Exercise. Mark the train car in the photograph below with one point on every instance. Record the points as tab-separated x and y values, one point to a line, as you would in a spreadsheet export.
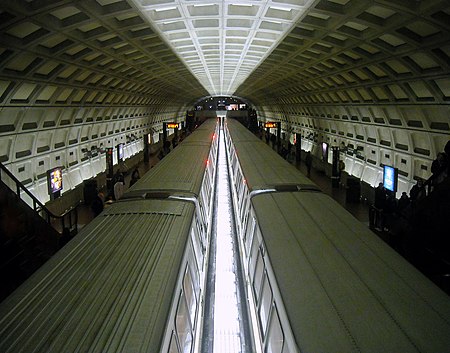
182	172
268	171
318	279
132	279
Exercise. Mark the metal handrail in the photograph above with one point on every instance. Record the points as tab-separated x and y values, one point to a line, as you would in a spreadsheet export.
40	207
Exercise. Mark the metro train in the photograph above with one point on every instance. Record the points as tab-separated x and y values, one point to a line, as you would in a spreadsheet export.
133	279
318	280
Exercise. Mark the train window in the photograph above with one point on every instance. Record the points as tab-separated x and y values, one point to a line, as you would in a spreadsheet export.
173	348
275	336
265	305
253	256
234	161
189	294
195	276
206	182
200	232
248	236
258	276
204	200
238	182
197	245
183	326
244	208
209	197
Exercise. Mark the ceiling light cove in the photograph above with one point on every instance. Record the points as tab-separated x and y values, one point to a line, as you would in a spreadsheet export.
222	42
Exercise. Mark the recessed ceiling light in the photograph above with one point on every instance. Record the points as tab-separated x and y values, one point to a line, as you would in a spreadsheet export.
166	9
281	8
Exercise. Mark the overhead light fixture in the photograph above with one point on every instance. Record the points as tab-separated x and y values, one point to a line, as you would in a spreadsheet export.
281	8
166	9
202	5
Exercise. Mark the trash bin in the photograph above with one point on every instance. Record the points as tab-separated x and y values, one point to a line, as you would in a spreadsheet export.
89	191
353	190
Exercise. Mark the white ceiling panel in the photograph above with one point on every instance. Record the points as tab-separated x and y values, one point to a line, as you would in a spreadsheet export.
231	38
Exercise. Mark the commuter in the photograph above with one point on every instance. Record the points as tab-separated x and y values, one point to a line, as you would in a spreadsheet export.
119	186
273	139
447	158
380	196
447	149
379	206
417	192
403	203
161	154
439	169
174	143
97	204
308	162
389	210
341	168
267	137
166	147
284	152
134	176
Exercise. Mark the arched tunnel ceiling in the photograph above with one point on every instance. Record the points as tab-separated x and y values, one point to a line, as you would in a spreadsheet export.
350	52
94	52
144	51
223	41
76	75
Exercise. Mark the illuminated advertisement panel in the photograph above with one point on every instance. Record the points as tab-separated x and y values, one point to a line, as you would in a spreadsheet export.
120	151
390	178
54	180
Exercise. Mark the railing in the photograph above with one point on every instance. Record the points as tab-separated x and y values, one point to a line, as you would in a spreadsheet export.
68	219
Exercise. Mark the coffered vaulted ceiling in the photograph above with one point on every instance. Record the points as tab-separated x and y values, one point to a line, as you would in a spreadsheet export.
142	51
75	75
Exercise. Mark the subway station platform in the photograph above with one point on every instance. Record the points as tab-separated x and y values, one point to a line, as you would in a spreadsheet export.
360	210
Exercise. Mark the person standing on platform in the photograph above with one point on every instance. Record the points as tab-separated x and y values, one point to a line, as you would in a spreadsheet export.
308	162
379	205
403	203
417	192
134	176
97	204
341	168
119	186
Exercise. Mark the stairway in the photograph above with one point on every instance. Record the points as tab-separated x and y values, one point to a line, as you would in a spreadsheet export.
28	237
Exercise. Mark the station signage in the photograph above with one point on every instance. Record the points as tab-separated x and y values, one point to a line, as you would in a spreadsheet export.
173	125
270	125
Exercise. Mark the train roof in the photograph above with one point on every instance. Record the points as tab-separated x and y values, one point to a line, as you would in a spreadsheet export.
239	132
346	290
262	166
181	170
203	133
108	290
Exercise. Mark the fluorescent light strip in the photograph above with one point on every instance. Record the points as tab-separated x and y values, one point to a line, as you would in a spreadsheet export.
165	9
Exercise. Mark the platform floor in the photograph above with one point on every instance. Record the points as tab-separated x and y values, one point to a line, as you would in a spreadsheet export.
359	210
